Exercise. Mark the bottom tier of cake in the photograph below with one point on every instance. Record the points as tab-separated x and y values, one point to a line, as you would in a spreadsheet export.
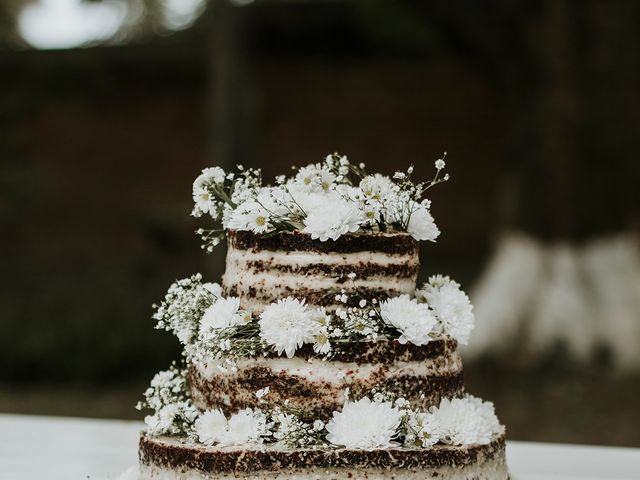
171	458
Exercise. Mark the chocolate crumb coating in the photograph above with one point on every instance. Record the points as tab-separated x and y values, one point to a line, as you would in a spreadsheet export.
211	460
389	365
263	269
399	244
325	297
362	271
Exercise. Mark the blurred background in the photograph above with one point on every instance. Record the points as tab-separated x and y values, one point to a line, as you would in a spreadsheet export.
109	109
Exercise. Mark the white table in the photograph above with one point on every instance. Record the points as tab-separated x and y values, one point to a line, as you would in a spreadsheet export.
52	448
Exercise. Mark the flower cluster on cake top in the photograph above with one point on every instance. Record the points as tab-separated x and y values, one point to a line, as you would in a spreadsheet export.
379	420
325	200
212	327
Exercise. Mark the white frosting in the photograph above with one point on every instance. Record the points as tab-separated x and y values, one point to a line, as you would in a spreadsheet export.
303	258
337	372
494	468
271	283
278	280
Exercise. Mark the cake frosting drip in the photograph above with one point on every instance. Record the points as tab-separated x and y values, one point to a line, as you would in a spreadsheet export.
422	375
175	458
260	270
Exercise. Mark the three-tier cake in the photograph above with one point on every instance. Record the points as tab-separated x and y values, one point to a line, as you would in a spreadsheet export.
317	357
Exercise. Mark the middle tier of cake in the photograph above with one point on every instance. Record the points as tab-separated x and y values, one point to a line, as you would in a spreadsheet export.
422	375
262	269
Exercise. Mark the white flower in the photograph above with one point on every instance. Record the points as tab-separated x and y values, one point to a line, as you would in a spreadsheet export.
422	430
287	325
314	178
262	392
364	424
331	218
466	421
321	343
378	187
208	176
213	288
249	215
163	378
204	202
162	421
318	425
440	164
451	306
421	225
211	427
246	427
414	320
439	280
224	313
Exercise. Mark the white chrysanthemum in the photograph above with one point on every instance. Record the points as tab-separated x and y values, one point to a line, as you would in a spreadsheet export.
321	343
209	176
421	225
246	427
378	187
422	430
204	201
466	421
414	320
211	427
249	215
287	325
451	306
364	424
315	178
332	217
224	313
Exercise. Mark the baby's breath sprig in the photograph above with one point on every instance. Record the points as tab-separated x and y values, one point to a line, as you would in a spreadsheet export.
346	173
182	307
216	192
169	398
229	344
210	238
292	430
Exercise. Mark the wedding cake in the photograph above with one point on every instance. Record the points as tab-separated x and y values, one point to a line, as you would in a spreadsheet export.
316	357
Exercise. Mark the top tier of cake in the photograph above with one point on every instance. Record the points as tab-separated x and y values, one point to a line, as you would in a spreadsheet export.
262	269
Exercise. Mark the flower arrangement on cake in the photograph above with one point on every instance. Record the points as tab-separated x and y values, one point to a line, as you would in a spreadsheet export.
317	356
325	200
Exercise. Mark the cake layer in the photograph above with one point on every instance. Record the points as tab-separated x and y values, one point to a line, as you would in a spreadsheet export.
260	270
170	458
422	375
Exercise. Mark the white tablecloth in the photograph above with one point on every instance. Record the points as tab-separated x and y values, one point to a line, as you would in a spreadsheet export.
55	448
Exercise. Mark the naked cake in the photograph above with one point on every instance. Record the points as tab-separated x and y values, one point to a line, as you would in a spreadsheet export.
317	357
